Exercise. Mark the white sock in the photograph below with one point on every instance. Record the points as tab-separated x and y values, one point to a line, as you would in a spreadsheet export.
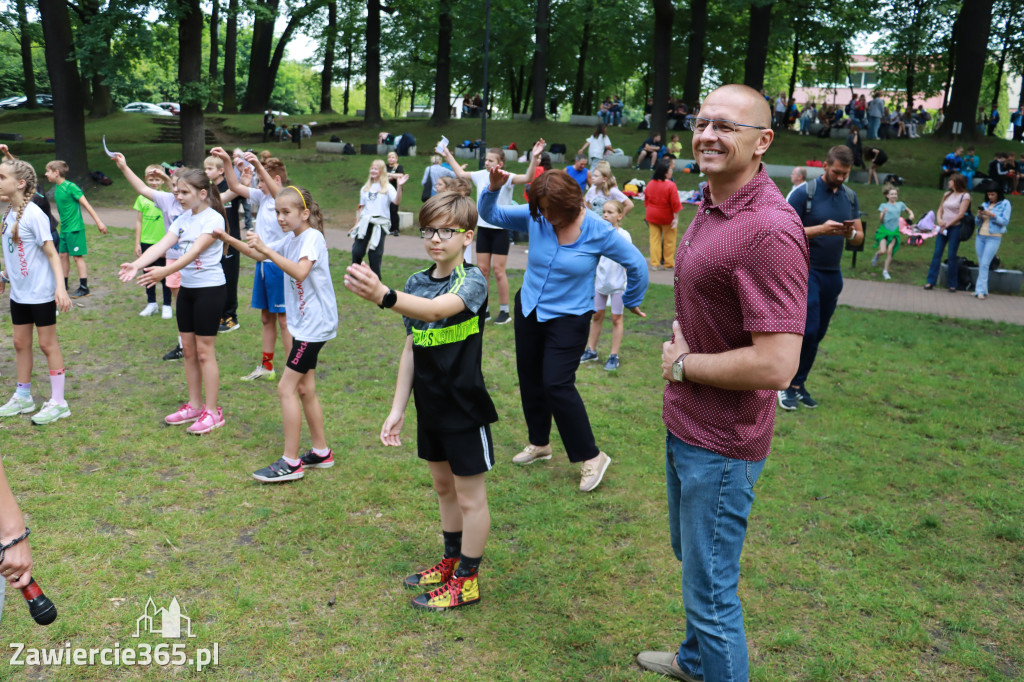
291	462
503	308
321	453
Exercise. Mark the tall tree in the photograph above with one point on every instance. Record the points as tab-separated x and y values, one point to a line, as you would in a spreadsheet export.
910	51
211	106
192	95
229	104
664	15
264	62
540	61
327	73
578	93
757	44
443	66
372	113
68	115
25	40
695	38
1010	42
972	29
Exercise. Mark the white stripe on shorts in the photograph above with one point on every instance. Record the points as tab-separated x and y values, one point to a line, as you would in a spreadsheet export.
487	452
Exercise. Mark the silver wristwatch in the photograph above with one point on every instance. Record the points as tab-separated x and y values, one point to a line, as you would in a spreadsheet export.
678	371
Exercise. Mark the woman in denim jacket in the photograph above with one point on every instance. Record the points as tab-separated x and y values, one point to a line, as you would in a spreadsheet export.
991	221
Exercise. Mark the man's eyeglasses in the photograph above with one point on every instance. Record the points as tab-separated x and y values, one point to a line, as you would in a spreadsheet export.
445	233
699	125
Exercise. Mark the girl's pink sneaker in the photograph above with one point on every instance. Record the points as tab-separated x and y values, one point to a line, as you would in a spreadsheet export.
185	414
208	421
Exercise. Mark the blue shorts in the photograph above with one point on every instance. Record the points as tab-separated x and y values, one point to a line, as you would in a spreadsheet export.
268	288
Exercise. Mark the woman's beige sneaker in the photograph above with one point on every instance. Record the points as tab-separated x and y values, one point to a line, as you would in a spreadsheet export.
531	453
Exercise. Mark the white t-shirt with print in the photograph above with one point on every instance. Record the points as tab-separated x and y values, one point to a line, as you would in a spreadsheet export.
266	225
596	199
205	270
377	202
311	307
171	208
482	179
27	267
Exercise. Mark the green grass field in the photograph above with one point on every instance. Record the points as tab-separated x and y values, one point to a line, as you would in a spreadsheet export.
886	542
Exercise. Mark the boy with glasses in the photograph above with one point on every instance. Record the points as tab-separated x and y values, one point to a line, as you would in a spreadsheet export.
440	367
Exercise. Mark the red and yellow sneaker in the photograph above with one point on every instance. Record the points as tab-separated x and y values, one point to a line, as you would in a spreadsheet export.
459	591
433	576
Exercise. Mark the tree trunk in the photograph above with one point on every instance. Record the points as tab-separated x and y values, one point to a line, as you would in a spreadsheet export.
951	64
230	103
540	61
275	61
757	45
25	38
211	105
443	67
257	91
577	97
514	92
372	115
911	78
190	80
664	14
1020	100
796	62
348	72
528	94
102	99
695	52
68	114
1002	62
971	35
327	75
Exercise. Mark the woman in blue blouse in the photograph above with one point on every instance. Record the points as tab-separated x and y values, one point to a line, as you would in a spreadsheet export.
991	222
553	310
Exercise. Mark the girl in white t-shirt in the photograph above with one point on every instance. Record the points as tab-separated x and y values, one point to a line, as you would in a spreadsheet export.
609	283
597	145
312	313
201	297
33	269
603	188
373	216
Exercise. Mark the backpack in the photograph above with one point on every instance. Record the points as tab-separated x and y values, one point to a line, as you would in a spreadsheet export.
893	180
850	195
966	226
963	273
348	149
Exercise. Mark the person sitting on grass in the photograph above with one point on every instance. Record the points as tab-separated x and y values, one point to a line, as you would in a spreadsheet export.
887	237
440	367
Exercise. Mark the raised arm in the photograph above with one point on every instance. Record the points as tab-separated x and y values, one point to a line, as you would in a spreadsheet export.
235	185
137	184
401	180
459	171
272	186
527	177
506	217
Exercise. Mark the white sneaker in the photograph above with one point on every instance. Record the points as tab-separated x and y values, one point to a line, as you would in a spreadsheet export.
260	372
886	275
150	309
167	312
17	405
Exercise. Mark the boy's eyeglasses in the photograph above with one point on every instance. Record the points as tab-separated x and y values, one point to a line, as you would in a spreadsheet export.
699	125
445	233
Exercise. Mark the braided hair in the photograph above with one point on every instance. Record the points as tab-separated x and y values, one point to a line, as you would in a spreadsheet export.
21	170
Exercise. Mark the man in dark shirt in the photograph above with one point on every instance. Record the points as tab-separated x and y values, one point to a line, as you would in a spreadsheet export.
831	218
651	149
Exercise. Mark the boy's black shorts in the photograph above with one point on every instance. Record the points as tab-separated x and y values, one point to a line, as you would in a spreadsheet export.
468	453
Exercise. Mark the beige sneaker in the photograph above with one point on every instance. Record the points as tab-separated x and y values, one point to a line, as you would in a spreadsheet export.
592	472
531	453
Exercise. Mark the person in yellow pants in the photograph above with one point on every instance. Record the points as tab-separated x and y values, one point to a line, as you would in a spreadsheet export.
662	205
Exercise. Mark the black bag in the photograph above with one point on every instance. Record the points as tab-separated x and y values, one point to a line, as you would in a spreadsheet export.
894	180
966	226
425	194
963	274
558	148
348	149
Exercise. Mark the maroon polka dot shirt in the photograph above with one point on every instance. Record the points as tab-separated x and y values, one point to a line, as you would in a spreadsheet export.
741	267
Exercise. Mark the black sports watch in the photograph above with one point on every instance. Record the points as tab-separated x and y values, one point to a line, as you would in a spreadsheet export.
389	299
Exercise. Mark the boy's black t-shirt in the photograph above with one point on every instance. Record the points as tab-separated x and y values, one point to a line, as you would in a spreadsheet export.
448	384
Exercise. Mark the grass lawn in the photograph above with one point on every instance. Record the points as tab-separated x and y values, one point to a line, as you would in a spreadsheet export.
886	542
334	180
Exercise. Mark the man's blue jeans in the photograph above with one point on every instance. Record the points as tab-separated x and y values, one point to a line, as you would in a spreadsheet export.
873	123
709	498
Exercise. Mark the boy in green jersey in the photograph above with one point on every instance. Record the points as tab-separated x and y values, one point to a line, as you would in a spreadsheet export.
70	201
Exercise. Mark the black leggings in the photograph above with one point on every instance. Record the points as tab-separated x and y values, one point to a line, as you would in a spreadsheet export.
151	290
375	256
547	355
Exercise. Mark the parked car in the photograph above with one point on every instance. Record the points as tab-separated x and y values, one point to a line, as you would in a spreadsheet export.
9	102
146	108
17	102
172	107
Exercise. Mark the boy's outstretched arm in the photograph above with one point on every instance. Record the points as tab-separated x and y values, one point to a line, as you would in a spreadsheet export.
363	282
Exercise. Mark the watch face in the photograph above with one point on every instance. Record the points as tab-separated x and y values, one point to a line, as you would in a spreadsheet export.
677	371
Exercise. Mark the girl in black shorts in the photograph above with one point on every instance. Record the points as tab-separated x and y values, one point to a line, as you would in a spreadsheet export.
200	298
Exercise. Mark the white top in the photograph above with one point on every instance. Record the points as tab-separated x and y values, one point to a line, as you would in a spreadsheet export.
27	266
597	199
795	188
266	219
482	179
597	146
377	202
311	307
205	270
171	208
611	277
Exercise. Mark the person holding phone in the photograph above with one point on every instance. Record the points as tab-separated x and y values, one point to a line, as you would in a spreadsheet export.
830	214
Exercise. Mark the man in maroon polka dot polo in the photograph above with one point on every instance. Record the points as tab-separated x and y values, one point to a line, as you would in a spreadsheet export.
740	304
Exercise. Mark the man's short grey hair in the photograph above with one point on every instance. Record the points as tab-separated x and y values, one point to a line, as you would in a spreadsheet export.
801	171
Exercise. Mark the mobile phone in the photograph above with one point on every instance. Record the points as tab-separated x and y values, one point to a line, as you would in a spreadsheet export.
848	224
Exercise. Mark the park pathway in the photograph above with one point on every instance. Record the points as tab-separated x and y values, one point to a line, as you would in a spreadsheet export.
856	293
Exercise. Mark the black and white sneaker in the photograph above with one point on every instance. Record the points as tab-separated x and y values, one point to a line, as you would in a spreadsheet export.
315	461
174	354
279	472
805	398
788	399
503	317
